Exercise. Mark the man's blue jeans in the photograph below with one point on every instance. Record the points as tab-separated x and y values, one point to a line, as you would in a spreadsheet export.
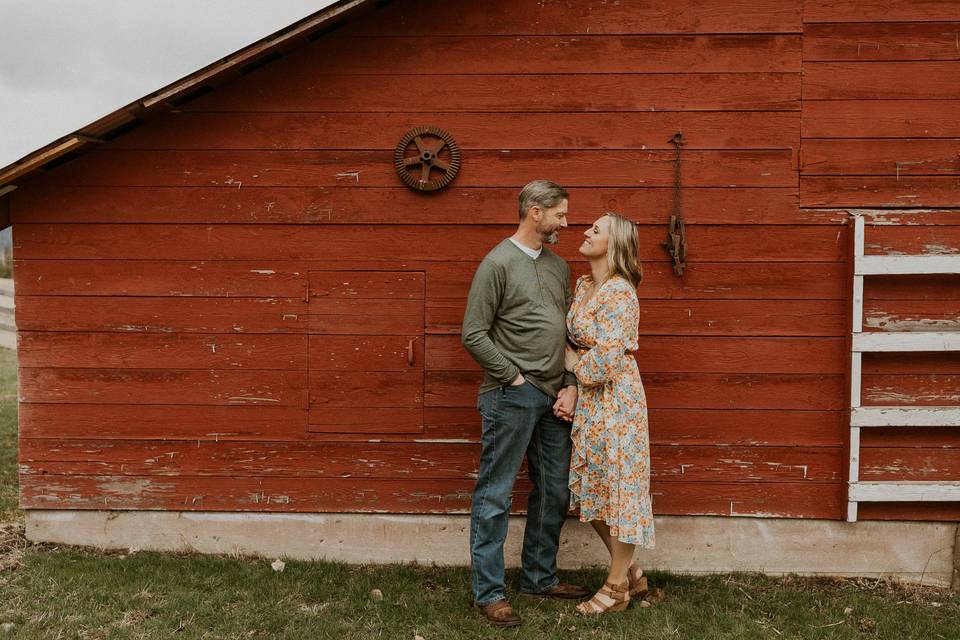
516	421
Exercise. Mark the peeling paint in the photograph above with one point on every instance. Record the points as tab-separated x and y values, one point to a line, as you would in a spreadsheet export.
939	250
905	323
317	212
140	328
888	395
743	464
907	163
779	465
755	514
872	45
131	487
887	218
890	251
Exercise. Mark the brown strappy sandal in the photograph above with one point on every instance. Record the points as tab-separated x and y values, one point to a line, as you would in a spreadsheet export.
637	582
610	597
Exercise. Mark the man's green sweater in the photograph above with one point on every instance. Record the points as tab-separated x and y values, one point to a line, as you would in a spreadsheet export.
515	320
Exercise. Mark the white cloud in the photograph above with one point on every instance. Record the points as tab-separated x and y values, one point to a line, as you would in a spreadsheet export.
64	64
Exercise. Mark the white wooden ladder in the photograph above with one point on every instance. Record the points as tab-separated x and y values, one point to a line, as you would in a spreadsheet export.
895	416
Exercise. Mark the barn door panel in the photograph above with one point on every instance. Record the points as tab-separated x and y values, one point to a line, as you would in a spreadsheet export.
366	351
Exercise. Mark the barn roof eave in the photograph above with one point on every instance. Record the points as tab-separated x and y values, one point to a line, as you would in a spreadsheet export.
166	98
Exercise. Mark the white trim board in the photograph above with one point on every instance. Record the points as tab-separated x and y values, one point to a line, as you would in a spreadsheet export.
905	491
905	417
904	341
906	265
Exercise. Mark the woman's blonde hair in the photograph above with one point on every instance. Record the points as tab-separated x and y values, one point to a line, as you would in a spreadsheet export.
623	250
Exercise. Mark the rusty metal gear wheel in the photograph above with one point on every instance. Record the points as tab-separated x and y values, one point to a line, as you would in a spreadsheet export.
436	152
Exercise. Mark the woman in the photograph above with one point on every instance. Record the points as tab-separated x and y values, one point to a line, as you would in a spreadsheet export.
610	468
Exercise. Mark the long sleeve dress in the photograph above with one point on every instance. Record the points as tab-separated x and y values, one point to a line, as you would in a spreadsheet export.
610	467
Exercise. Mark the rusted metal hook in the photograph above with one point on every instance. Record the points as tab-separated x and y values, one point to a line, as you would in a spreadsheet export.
676	242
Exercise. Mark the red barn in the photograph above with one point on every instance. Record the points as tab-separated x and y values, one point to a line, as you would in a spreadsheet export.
236	320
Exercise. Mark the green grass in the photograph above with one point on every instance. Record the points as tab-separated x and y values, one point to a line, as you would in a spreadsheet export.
6	265
8	435
60	592
72	594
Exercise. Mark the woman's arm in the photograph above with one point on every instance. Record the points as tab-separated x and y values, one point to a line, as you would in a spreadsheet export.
617	316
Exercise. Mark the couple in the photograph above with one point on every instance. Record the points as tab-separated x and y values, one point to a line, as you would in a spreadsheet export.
520	322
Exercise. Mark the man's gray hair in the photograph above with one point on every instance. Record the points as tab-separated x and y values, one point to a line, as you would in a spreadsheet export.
542	193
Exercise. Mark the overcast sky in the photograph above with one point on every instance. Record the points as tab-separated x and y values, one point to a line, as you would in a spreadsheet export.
66	63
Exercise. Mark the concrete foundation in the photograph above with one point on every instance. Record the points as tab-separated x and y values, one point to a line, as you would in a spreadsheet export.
916	552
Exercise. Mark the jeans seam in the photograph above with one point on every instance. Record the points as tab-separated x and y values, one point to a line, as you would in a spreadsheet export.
473	555
543	499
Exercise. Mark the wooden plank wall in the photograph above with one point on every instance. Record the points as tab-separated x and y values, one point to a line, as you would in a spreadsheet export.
162	279
881	135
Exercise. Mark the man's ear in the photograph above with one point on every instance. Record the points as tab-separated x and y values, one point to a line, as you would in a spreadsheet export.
535	211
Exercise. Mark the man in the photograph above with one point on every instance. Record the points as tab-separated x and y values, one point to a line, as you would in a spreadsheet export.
515	328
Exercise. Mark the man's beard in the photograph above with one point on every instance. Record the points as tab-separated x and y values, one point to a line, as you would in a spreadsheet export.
551	237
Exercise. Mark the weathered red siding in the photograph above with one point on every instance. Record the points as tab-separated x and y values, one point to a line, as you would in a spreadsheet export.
169	334
880	134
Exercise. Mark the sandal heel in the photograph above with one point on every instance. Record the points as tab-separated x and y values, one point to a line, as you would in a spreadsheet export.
639	588
637	582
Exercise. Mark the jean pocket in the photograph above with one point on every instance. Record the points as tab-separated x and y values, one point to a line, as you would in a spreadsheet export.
487	403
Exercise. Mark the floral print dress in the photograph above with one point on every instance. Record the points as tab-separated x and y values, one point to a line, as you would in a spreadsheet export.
610	468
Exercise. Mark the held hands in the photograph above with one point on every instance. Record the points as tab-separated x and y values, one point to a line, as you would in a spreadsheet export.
566	403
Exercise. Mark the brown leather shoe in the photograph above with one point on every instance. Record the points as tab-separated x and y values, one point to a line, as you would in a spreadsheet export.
561	591
500	614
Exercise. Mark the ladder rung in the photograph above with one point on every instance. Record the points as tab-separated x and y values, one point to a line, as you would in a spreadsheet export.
906	265
907	341
905	417
905	491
